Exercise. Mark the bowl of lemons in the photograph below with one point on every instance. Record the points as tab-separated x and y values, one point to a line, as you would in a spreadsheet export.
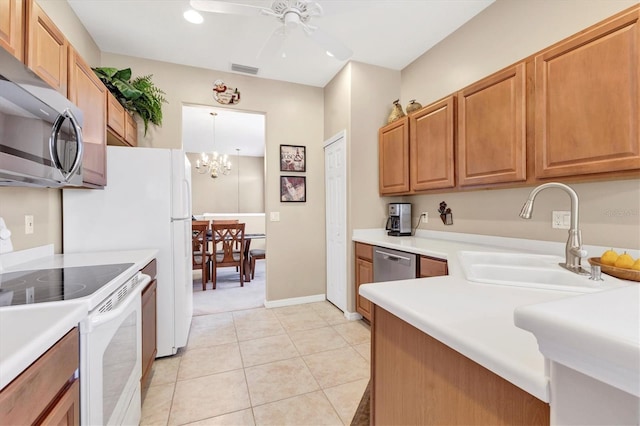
622	266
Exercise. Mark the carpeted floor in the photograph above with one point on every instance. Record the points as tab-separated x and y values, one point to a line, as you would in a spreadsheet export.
228	295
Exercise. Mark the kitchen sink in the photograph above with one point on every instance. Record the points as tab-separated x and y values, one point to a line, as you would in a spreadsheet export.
528	270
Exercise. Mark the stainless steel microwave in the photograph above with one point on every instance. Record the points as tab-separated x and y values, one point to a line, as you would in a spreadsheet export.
40	130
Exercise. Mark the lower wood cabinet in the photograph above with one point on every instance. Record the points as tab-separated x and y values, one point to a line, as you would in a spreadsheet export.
418	380
149	325
364	275
47	392
431	267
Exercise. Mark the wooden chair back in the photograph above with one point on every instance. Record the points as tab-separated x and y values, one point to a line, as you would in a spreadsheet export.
200	256
224	221
228	250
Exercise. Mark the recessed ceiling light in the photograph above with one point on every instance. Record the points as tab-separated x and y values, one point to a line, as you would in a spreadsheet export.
193	16
329	54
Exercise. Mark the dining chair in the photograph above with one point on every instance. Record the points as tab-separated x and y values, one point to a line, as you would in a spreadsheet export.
256	254
226	237
200	256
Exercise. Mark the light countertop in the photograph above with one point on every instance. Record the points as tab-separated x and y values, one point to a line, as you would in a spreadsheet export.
477	320
27	331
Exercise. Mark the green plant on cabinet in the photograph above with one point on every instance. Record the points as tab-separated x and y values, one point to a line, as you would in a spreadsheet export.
139	96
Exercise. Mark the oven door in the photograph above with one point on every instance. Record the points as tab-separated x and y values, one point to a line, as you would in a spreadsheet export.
110	360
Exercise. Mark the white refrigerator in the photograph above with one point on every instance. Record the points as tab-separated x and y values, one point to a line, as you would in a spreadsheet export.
146	204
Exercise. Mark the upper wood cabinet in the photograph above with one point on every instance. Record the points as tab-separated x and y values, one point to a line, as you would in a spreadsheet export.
393	157
431	145
12	27
121	127
115	115
90	95
130	130
492	129
46	48
588	101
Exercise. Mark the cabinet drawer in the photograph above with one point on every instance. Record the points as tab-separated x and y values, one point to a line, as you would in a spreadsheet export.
432	267
364	251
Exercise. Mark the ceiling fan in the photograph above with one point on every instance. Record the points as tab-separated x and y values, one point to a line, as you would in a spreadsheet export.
292	14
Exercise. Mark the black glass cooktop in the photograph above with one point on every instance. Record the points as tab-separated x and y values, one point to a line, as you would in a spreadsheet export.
48	285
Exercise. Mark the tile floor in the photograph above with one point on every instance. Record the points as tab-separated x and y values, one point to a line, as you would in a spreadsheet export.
296	365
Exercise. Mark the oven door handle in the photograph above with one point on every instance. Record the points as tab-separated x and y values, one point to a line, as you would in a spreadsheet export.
100	319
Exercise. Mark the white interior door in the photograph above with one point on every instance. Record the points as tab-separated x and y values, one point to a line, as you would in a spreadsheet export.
335	164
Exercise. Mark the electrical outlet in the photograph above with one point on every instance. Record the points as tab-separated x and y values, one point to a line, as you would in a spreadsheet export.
28	224
424	217
560	219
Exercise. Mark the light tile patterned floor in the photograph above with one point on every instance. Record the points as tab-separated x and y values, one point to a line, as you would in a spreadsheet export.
296	365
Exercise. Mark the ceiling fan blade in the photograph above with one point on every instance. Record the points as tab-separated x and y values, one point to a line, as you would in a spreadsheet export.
225	7
273	45
331	44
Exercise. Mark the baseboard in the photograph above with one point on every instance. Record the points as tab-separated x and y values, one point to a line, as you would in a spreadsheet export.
294	301
352	316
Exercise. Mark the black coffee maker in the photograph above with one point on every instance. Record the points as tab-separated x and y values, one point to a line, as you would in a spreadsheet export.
399	221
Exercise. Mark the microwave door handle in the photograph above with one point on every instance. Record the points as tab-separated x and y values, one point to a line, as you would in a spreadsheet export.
53	144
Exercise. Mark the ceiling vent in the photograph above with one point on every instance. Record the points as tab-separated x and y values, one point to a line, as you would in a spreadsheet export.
244	69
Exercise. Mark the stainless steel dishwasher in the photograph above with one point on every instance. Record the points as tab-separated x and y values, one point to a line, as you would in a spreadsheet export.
393	265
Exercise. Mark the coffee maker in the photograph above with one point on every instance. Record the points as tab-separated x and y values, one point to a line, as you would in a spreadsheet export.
399	221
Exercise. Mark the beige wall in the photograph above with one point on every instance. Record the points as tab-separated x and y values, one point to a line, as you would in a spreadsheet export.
502	34
242	191
358	99
294	115
45	204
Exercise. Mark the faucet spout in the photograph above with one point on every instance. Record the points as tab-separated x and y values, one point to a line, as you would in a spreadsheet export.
573	250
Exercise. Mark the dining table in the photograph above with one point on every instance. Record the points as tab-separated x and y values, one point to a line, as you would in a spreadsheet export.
247	247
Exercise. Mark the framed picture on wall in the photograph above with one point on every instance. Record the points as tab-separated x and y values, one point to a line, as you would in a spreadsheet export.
293	189
292	158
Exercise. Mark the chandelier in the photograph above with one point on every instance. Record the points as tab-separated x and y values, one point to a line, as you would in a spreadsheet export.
215	164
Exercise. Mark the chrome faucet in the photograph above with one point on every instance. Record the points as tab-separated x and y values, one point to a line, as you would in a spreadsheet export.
573	250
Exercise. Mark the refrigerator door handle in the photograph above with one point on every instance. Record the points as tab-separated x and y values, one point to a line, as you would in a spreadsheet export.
187	187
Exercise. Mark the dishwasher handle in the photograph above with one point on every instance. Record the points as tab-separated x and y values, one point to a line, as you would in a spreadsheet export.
392	257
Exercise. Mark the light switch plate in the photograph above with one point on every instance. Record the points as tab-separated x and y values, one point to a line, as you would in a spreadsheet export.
274	216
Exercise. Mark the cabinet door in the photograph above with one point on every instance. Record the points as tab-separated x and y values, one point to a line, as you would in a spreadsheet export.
46	48
115	115
90	95
130	130
431	139
66	411
12	27
492	129
393	157
364	275
588	101
149	331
